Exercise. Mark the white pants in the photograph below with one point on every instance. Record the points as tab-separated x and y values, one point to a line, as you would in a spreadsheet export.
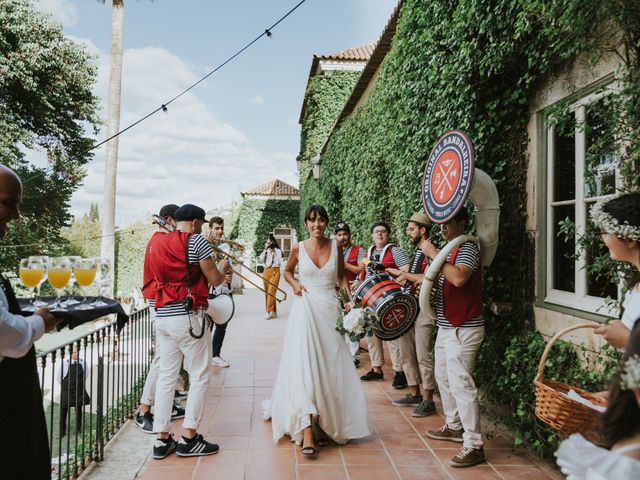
376	354
174	343
456	351
149	390
354	348
416	353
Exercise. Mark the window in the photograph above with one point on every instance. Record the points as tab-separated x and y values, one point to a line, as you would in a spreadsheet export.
581	165
284	236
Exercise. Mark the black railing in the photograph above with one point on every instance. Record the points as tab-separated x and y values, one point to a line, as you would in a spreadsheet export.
91	386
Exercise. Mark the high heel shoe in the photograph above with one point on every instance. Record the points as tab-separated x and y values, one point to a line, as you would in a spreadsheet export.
322	442
309	451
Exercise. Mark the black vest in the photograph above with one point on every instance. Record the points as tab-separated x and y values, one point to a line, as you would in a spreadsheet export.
24	451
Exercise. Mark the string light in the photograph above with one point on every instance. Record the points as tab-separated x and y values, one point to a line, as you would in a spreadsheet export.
37	244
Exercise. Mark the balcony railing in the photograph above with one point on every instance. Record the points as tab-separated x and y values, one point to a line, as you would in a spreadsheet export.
88	395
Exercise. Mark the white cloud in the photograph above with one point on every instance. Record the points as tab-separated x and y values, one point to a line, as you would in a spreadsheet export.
257	99
61	10
186	155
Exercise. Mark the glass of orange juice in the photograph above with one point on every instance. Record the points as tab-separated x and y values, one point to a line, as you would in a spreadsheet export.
85	272
44	260
31	272
58	274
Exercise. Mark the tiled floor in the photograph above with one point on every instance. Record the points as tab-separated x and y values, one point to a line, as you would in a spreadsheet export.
397	450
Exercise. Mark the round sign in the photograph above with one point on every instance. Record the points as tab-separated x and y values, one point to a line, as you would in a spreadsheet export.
448	176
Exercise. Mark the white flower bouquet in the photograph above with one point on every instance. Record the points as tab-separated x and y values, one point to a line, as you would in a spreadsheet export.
358	323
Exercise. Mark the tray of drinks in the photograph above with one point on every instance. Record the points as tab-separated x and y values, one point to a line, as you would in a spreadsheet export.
73	311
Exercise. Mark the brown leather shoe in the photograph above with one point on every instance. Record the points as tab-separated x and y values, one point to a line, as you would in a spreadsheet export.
446	433
468	457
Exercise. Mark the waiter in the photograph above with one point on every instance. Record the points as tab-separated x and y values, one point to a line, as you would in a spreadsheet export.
353	255
21	411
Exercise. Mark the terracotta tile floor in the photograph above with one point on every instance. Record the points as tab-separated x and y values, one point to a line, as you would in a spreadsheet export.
397	450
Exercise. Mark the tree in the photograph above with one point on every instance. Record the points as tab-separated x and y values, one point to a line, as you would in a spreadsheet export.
46	104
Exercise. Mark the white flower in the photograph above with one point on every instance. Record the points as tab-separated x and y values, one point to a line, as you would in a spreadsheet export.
630	378
358	330
352	319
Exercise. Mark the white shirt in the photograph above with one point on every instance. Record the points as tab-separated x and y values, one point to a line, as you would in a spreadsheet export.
17	333
271	259
631	306
223	287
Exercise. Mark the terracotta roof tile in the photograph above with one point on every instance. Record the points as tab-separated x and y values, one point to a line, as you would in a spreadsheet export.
362	53
273	188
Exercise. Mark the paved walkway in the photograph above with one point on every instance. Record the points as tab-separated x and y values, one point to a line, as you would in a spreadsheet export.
397	450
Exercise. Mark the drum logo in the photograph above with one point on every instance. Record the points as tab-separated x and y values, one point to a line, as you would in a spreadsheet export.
396	317
448	176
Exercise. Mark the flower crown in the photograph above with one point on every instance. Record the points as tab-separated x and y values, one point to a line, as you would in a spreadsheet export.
630	376
608	223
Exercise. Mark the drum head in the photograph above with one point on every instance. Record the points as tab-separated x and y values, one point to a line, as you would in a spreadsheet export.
397	316
221	308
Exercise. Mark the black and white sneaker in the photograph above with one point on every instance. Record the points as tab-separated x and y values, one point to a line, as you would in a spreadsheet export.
197	447
177	396
145	422
177	412
164	448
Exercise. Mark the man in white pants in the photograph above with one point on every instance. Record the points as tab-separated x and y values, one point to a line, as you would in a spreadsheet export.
460	334
182	265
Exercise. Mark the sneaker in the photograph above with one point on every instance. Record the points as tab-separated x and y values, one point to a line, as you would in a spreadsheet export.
267	316
372	375
145	422
408	400
177	412
178	397
424	409
220	362
400	381
446	433
468	457
163	448
197	447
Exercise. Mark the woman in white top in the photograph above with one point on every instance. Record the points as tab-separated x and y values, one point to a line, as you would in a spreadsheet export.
619	456
271	258
619	221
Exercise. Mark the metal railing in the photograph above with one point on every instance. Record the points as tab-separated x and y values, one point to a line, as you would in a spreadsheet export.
91	387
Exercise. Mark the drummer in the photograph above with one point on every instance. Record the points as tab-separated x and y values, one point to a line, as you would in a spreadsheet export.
385	255
416	345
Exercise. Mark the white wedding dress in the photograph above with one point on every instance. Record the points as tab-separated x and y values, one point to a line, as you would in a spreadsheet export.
316	376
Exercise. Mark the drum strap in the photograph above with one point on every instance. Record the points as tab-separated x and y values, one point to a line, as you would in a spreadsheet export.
416	264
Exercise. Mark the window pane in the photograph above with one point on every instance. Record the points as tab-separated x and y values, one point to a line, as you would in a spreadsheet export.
600	160
564	158
598	283
564	245
285	232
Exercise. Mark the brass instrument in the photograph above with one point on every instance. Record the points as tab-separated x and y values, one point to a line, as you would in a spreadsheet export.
231	243
162	223
221	253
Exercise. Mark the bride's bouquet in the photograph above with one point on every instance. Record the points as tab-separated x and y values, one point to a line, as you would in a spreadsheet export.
358	323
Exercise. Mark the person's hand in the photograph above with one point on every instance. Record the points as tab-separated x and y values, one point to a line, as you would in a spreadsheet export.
209	236
393	271
348	306
224	265
50	321
227	278
429	249
615	333
298	288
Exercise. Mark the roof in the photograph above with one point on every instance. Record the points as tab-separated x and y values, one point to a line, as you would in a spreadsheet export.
361	53
274	188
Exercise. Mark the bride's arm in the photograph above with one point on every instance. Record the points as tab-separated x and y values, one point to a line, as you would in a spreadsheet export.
289	270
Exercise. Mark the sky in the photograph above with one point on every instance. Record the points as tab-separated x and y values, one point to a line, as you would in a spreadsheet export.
233	132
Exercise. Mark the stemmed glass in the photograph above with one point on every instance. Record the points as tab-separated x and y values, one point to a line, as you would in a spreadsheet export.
31	273
74	259
104	268
85	272
44	260
58	274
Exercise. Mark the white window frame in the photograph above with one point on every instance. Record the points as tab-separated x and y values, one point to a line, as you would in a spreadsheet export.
579	299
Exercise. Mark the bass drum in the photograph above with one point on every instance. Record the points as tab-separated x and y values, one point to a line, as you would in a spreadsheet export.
221	308
397	310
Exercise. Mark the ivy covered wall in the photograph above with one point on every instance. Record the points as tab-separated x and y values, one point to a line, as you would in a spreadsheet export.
326	96
473	65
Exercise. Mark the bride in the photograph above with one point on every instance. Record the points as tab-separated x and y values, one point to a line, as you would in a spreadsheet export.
317	394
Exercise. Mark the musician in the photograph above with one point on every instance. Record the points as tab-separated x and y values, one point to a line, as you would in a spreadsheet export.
144	418
353	255
416	345
387	255
182	265
460	334
21	409
271	257
215	233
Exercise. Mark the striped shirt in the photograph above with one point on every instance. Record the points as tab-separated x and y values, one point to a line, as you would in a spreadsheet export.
199	249
347	252
468	255
399	258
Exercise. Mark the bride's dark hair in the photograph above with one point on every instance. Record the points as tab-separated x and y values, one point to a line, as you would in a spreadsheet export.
314	211
622	417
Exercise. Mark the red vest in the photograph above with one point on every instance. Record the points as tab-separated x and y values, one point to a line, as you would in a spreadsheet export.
387	258
423	267
461	304
170	272
352	259
148	282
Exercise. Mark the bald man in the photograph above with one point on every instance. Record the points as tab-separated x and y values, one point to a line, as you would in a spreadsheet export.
21	411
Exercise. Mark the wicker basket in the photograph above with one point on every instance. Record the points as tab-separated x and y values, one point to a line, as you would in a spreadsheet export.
553	407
